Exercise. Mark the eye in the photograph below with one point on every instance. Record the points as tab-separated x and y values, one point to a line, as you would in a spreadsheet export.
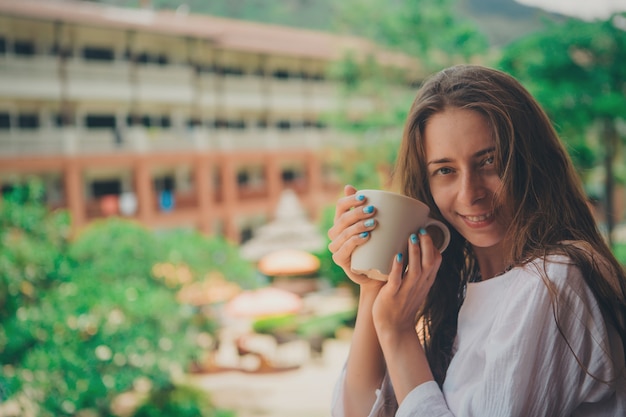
443	171
490	160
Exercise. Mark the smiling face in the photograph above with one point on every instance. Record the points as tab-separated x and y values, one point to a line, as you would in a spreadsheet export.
463	180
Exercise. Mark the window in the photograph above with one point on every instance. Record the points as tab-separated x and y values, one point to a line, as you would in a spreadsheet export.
101	188
166	122
237	124
28	121
143	58
98	54
232	71
243	177
59	51
24	48
60	120
220	124
288	175
3	46
133	120
246	234
281	74
193	122
164	183
284	125
5	121
99	121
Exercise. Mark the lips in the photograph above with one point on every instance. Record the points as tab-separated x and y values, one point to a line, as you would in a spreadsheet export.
479	218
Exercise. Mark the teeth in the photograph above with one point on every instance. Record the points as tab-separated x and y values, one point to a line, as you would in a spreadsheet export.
479	218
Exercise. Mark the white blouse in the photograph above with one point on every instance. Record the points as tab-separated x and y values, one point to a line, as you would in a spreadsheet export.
511	360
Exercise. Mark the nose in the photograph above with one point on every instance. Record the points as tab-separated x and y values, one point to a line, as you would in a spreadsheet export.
472	189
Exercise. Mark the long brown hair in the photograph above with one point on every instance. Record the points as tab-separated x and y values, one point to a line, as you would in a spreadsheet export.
538	180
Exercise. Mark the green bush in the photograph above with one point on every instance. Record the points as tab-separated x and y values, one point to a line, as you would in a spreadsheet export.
179	401
85	319
306	327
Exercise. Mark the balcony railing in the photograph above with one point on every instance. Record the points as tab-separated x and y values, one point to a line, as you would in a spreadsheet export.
46	77
77	141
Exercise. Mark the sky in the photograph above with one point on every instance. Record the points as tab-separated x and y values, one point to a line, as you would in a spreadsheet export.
582	9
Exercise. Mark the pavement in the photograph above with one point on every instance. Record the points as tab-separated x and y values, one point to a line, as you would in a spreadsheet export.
303	392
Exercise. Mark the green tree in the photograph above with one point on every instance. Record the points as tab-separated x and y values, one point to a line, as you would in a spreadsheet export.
576	70
87	319
430	30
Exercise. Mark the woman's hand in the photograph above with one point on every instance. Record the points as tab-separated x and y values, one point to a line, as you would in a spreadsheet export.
405	291
353	223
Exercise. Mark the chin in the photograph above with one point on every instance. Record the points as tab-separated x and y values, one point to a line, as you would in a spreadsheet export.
485	242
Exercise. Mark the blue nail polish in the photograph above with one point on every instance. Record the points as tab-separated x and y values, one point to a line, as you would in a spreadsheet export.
368	223
413	238
368	209
364	235
360	197
422	231
399	257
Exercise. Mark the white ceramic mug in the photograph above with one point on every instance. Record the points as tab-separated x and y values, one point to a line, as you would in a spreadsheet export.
397	217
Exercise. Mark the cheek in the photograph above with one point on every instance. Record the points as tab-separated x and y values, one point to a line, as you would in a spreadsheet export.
443	200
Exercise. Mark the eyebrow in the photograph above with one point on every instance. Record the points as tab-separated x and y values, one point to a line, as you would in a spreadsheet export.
476	155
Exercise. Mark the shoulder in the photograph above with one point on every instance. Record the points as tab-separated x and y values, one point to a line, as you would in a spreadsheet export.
558	278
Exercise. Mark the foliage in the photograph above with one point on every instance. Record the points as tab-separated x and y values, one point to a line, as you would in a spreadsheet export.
86	320
204	254
620	253
179	401
325	326
328	268
305	327
416	27
283	322
576	71
32	261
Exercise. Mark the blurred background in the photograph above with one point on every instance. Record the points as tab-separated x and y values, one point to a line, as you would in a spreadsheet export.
168	172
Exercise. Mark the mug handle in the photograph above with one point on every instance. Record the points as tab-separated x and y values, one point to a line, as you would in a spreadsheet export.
444	230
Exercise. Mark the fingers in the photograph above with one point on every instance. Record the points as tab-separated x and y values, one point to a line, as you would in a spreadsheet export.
352	229
352	225
350	210
394	279
415	256
349	190
349	201
431	257
424	258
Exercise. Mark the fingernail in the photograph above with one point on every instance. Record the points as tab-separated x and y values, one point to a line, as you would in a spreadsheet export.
399	257
368	209
413	238
422	231
364	235
368	223
360	197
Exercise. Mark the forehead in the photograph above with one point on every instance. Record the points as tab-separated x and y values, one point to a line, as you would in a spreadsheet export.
455	133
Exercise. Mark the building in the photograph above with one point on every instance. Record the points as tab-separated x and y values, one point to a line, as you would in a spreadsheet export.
173	119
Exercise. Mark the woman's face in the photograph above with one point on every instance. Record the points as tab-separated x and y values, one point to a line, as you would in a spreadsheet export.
460	156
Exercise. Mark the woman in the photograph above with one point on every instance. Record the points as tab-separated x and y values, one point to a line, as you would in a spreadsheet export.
525	313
